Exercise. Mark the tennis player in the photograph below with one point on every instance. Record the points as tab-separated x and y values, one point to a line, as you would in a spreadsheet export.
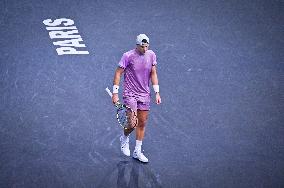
138	67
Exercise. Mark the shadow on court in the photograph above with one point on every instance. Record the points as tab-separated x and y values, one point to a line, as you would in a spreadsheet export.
130	173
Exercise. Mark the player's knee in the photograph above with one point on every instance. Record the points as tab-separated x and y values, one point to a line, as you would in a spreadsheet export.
142	123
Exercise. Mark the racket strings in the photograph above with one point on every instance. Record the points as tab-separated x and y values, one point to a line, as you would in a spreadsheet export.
126	117
122	117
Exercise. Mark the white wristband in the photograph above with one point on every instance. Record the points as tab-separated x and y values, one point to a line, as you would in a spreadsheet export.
115	89
156	88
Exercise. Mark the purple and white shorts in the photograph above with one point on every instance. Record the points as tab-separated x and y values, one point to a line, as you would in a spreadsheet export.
137	102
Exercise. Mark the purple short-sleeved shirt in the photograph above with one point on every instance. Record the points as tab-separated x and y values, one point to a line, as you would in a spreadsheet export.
137	72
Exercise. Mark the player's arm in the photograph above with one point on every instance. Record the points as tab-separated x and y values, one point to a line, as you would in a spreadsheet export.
155	83
118	72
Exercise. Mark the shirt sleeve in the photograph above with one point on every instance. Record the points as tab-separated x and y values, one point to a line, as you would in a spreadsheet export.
154	59
124	61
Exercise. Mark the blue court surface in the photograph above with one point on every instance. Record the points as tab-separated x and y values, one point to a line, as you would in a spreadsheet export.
220	69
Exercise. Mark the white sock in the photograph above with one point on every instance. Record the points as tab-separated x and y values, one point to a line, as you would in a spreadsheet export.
138	144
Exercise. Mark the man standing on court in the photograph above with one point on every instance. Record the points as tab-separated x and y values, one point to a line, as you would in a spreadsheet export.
138	66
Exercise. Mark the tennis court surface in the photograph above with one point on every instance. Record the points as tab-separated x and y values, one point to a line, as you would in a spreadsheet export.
220	68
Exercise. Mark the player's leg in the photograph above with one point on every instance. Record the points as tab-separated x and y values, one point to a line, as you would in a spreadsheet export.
132	122
142	115
124	138
131	115
143	107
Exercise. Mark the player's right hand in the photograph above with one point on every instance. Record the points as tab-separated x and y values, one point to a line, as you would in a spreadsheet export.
115	98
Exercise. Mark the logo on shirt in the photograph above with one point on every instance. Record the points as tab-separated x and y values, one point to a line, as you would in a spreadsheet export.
68	41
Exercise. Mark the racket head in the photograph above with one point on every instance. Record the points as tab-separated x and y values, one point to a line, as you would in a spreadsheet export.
126	117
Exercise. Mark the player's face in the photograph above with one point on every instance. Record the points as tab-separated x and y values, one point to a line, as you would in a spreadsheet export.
143	48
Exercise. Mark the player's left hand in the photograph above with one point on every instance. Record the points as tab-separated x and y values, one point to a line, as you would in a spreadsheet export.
158	98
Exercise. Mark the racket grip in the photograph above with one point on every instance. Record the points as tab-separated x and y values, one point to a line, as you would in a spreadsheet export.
117	104
109	92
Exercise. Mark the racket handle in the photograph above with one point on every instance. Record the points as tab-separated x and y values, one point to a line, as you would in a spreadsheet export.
117	104
108	91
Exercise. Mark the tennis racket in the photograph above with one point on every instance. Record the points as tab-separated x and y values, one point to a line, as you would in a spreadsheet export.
126	117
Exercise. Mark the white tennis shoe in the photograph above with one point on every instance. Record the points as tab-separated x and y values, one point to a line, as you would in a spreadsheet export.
124	145
137	154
